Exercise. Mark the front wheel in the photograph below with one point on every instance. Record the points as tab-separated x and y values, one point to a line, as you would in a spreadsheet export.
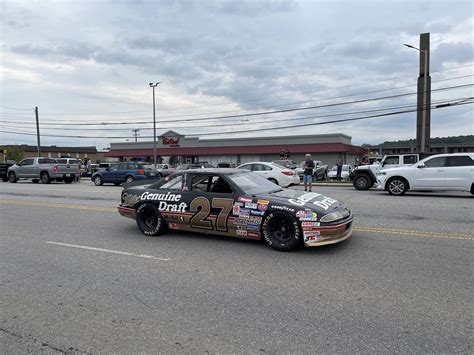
397	186
98	180
281	231
362	182
149	220
12	177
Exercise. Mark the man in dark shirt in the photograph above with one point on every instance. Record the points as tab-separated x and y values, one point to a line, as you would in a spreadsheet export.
308	172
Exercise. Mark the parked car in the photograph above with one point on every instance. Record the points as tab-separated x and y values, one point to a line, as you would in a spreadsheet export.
442	172
346	170
4	169
200	165
286	163
273	172
320	171
124	172
236	203
164	169
72	161
44	169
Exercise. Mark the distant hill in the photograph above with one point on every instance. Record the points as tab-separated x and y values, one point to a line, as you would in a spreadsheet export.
437	140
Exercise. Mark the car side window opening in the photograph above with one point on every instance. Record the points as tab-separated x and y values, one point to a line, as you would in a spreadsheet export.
391	160
27	162
219	185
409	159
199	183
114	168
266	168
462	160
257	167
437	162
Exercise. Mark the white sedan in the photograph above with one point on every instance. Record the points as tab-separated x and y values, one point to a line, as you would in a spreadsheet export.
273	172
346	170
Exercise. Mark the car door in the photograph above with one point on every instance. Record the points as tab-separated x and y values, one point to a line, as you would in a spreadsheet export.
459	171
430	173
110	174
26	168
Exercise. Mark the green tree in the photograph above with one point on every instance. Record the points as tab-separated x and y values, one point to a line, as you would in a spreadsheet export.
15	153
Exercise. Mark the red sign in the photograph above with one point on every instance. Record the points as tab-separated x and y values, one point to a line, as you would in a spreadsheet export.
170	140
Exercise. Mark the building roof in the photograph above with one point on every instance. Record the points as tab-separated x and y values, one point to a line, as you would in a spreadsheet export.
256	149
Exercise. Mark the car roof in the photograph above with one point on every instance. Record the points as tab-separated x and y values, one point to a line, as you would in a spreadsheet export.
225	171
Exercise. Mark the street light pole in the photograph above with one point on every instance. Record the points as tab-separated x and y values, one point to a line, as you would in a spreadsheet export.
425	95
154	123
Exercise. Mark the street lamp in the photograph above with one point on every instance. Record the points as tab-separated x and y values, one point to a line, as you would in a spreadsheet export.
425	93
154	122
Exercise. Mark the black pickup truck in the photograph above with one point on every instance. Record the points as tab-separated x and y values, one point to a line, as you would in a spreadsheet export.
4	168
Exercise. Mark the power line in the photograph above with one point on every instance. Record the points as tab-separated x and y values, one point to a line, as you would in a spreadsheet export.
256	114
243	131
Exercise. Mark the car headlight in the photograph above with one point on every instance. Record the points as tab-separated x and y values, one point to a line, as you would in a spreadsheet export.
333	216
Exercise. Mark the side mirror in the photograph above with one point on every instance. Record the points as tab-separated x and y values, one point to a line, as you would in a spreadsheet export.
421	166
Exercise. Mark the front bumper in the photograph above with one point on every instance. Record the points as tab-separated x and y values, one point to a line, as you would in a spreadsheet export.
325	235
126	211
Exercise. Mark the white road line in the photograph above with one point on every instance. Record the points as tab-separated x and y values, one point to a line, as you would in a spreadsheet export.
108	251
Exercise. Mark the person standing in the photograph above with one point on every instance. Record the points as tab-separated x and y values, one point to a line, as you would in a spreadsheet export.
308	172
339	169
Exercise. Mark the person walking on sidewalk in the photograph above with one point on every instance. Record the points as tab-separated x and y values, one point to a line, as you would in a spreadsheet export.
308	172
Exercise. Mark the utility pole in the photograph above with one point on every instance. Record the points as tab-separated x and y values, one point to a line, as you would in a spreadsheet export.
38	132
423	117
154	123
135	133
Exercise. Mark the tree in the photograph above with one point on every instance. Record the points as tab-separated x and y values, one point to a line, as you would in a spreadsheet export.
14	153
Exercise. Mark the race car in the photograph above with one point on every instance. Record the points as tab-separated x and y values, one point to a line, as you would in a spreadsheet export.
236	203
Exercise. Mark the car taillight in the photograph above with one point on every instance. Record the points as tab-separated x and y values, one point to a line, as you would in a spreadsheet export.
55	168
286	172
141	171
79	168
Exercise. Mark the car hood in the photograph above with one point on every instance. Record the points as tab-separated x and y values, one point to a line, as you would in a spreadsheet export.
303	200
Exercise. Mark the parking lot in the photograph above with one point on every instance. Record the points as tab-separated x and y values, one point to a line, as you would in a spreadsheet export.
78	278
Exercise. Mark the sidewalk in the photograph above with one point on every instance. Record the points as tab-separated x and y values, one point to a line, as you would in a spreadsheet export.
330	183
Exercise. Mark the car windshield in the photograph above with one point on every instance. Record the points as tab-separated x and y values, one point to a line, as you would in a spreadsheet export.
252	183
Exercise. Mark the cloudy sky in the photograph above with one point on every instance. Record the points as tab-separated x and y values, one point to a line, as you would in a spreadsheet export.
90	61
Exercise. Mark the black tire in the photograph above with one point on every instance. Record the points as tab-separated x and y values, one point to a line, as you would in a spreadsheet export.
44	177
472	189
98	180
117	183
362	182
12	177
129	178
397	186
149	220
273	180
281	231
68	180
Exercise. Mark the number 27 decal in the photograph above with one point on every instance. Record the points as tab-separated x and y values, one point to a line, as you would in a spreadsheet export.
202	206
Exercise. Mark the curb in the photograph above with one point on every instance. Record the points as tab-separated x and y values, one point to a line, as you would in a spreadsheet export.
318	184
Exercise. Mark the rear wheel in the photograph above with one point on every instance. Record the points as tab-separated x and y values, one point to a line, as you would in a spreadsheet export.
98	180
362	182
149	220
129	178
273	180
281	231
44	177
12	177
5	178
397	186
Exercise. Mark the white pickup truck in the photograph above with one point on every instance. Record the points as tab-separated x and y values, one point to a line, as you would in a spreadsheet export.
44	169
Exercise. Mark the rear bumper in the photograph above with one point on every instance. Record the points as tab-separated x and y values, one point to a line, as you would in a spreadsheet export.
126	212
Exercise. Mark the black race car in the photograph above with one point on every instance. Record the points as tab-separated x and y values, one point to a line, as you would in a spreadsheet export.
236	203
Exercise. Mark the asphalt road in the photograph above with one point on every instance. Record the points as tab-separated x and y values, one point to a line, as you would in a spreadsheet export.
75	277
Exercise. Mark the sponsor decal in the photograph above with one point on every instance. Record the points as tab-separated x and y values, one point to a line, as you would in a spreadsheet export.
262	207
254	219
304	199
253	234
130	199
241	221
283	208
244	199
253	226
240	204
251	205
148	196
171	207
241	232
244	213
308	219
299	213
257	213
263	202
235	210
310	224
241	227
311	236
310	214
173	225
325	203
